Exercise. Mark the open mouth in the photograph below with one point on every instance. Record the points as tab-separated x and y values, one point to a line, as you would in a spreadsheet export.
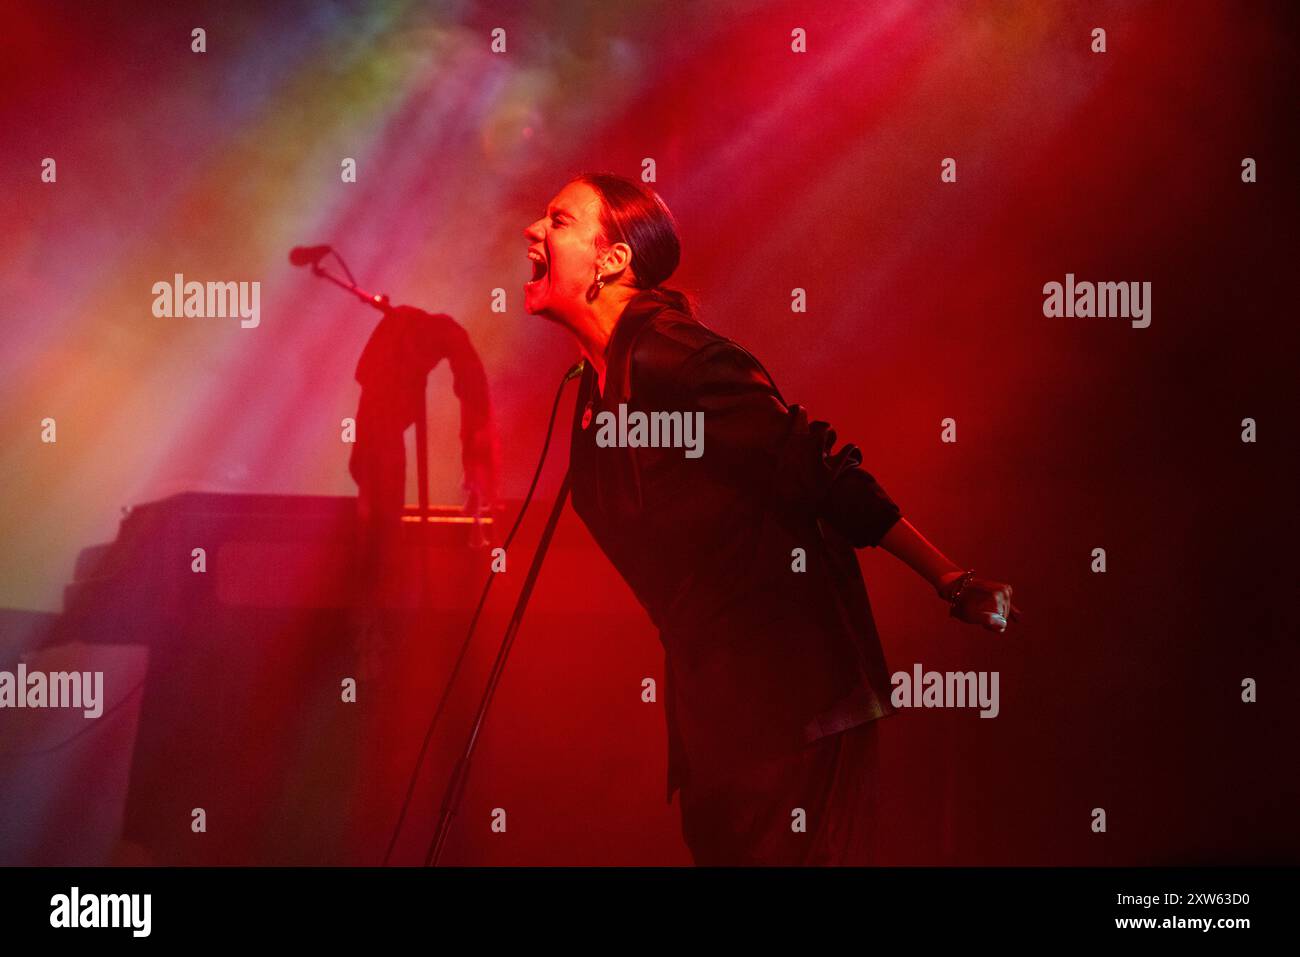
540	267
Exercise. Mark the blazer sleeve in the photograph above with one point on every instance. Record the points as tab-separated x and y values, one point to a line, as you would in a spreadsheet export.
756	441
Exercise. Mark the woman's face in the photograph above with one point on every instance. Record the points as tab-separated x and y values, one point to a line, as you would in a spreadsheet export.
562	245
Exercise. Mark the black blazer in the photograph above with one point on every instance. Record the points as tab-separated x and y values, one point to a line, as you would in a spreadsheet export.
760	659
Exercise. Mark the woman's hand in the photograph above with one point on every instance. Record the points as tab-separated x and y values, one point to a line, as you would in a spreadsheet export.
981	601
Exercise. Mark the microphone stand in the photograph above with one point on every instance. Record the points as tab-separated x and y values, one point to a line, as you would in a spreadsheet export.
455	792
379	301
460	774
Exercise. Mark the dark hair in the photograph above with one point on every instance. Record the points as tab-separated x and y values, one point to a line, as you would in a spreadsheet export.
635	214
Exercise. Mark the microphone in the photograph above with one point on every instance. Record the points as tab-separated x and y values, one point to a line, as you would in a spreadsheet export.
308	255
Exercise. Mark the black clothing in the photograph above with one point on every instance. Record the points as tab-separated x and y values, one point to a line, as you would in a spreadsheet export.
760	660
406	345
746	820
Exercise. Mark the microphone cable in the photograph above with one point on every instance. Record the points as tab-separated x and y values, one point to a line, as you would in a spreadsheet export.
573	373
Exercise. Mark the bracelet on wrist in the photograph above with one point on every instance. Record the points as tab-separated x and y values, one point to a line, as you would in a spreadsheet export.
953	589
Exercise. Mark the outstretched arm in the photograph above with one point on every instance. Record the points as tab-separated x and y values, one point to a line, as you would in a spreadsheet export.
979	600
908	545
757	438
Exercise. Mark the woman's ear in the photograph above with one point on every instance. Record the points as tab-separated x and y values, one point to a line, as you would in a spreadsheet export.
617	258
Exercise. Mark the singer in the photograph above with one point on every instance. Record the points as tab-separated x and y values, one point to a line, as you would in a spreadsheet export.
743	557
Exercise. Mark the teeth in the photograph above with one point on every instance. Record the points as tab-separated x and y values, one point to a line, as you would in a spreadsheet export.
536	256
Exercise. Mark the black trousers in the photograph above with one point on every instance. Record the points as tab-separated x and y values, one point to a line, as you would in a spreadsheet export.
748	819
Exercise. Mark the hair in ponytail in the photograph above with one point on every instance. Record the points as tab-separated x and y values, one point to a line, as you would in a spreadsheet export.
677	299
635	214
